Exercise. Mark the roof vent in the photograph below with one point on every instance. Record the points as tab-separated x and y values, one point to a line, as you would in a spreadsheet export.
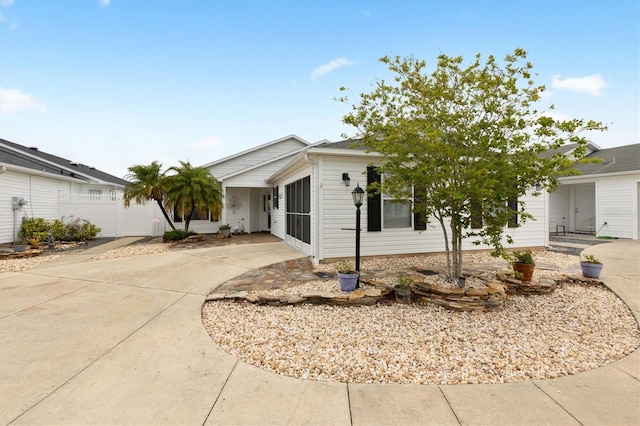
73	163
34	148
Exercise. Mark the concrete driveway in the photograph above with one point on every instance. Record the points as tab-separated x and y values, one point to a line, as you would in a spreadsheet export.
121	341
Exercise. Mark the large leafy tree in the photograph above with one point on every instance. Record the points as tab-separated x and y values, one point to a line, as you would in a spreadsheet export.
193	189
147	183
468	140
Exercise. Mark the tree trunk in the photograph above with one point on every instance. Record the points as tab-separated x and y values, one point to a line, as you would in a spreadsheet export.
446	246
166	216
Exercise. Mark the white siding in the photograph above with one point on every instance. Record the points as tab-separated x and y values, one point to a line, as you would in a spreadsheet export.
255	157
256	177
337	212
559	208
255	211
616	204
40	192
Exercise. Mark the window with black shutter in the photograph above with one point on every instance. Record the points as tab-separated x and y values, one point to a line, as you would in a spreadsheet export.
419	224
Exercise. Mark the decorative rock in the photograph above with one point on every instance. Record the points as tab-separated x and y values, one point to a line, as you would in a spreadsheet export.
236	295
215	296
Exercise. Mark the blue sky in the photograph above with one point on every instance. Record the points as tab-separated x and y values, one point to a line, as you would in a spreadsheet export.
112	83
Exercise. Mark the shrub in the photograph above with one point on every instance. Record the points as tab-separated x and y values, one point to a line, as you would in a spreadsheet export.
176	235
59	230
82	230
34	228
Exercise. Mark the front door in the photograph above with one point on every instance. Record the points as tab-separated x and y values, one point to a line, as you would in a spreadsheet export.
585	208
265	215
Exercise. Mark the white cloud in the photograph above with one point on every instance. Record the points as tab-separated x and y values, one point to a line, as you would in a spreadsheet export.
6	3
12	23
12	100
325	69
206	143
104	3
591	84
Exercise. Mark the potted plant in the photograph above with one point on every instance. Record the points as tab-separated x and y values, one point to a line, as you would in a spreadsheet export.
20	245
523	264
591	267
347	277
402	290
225	230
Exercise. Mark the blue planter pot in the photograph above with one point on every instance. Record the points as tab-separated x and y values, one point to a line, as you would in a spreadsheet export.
591	270
347	281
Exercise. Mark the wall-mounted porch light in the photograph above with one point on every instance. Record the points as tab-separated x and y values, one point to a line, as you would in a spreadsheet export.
346	179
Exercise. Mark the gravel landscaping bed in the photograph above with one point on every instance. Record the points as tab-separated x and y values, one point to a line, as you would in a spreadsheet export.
573	329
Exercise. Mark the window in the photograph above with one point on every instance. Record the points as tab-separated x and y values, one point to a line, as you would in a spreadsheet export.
196	216
298	205
476	214
276	203
383	211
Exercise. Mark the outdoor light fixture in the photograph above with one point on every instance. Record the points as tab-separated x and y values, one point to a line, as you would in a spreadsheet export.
538	186
358	197
346	179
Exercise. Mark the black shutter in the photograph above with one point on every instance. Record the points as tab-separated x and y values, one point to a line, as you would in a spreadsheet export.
513	206
419	224
374	210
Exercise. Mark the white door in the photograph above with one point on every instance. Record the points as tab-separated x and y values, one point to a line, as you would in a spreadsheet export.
265	215
585	208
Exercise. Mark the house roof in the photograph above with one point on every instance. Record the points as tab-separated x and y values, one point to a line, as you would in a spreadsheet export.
32	158
256	148
614	160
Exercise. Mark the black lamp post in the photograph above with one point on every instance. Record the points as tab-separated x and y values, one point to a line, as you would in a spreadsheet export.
358	197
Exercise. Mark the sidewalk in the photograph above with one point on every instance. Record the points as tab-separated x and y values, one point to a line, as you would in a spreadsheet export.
121	341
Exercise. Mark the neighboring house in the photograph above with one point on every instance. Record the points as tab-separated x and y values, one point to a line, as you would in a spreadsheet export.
296	191
604	199
34	183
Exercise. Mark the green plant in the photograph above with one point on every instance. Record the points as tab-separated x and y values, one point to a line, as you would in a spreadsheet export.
224	227
34	227
404	281
34	241
176	235
522	257
59	230
82	230
589	258
345	267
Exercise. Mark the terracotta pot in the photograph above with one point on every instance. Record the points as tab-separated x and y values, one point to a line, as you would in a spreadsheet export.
525	270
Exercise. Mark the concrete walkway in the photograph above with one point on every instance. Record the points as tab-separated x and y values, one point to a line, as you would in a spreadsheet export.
121	341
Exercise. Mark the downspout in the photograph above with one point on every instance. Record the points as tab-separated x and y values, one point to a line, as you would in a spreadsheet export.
316	208
546	219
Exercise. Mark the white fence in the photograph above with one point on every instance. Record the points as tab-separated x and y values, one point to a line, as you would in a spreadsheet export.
109	213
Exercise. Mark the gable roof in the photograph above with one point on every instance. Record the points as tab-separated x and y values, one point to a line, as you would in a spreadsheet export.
614	160
256	148
34	159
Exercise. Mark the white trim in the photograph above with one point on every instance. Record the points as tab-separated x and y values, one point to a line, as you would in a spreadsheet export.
587	178
256	148
33	172
57	165
264	163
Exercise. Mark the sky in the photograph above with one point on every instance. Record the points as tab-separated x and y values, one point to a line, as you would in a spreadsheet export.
114	83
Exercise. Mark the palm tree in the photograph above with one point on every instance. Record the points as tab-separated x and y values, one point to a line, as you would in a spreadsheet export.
193	189
146	183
